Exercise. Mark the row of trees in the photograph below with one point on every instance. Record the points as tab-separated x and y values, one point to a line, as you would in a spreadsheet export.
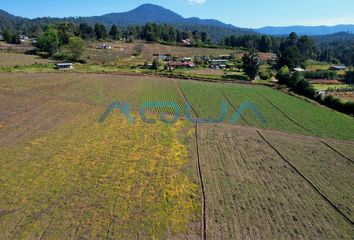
294	50
262	43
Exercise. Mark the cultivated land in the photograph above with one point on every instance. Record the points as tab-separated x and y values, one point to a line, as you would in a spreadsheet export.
18	59
252	192
64	175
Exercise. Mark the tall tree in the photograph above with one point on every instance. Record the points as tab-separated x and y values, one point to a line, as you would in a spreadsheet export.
251	64
76	47
114	33
49	42
265	44
100	31
86	31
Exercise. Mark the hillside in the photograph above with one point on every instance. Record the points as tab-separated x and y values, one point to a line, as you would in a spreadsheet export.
306	30
143	14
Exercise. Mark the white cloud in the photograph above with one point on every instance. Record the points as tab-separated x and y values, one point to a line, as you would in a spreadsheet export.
197	1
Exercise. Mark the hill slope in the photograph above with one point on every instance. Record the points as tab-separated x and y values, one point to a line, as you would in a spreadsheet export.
306	30
143	14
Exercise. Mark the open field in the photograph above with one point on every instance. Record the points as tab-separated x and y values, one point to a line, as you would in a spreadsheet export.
144	51
252	193
64	175
281	111
13	59
326	87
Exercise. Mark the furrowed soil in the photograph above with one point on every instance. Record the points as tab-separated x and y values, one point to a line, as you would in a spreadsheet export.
252	193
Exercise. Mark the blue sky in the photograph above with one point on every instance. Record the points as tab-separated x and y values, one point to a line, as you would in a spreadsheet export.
243	13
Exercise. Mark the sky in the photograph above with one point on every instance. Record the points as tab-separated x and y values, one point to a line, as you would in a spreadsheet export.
241	13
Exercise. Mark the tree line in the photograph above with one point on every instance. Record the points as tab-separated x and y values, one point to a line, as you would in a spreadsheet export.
294	50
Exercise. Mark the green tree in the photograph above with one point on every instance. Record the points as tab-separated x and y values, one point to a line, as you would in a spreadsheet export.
349	77
291	57
86	31
251	64
156	64
7	35
265	44
49	42
114	33
100	31
76	47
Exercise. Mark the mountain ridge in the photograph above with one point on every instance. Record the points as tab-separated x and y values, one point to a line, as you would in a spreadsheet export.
146	13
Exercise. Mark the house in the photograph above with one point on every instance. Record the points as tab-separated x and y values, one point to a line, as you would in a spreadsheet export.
298	69
186	42
23	38
105	46
163	57
338	68
218	63
225	57
64	66
186	59
174	65
1	37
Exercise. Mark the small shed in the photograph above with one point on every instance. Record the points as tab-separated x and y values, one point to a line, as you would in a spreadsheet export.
64	66
338	68
299	69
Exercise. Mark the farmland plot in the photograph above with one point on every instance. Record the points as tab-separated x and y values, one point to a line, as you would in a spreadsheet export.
252	193
331	173
87	180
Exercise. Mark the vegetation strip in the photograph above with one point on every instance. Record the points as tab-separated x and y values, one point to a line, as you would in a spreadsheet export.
307	180
288	117
199	169
201	184
335	150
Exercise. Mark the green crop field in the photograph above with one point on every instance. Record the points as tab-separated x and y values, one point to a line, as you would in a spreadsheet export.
281	111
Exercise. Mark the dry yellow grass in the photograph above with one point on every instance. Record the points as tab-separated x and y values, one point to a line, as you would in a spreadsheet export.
89	180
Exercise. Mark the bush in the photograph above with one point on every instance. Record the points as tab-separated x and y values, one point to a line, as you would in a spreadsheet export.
335	103
349	77
283	75
321	74
265	75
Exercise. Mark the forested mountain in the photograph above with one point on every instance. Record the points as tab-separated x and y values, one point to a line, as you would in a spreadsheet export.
306	30
144	14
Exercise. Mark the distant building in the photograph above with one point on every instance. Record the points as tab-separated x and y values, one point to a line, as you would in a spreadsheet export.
164	57
174	65
23	38
299	69
338	68
218	63
186	59
64	66
1	37
186	42
225	57
105	46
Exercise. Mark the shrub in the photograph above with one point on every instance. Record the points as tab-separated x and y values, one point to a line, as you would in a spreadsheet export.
321	74
349	77
265	75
